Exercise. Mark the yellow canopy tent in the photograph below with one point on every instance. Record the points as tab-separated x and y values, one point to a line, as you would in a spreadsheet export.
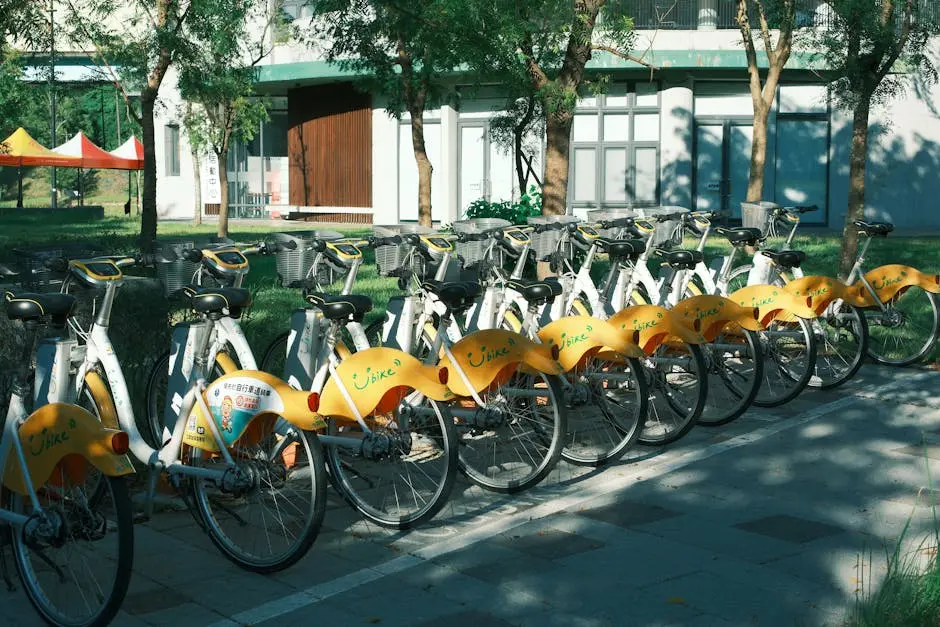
21	149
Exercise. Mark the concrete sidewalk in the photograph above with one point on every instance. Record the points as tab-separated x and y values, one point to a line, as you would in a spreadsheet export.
777	519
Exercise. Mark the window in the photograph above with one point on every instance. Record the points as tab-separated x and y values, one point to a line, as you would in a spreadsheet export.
802	148
615	148
171	146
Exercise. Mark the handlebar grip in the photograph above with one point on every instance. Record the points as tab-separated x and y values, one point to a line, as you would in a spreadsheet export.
59	264
192	254
376	241
472	237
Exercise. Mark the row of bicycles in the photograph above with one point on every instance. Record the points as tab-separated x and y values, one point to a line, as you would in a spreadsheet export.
625	338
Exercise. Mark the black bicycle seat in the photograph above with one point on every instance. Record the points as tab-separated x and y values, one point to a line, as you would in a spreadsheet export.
742	236
340	307
681	259
623	248
786	258
29	306
536	292
874	229
456	295
218	299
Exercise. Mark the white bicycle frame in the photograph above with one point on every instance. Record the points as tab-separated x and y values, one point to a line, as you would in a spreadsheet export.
10	441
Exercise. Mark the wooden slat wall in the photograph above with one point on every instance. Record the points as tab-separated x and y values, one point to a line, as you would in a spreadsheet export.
329	144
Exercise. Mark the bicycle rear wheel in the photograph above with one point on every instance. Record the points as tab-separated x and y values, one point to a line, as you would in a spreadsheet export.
907	330
789	352
403	473
841	345
609	404
735	370
265	517
275	356
76	568
678	392
513	441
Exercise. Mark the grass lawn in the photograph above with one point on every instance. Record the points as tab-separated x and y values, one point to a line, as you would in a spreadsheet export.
141	330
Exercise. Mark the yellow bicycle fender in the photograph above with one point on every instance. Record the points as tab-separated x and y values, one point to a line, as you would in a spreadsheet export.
709	315
773	303
822	290
576	336
226	363
888	281
484	355
377	379
99	391
655	325
56	431
236	399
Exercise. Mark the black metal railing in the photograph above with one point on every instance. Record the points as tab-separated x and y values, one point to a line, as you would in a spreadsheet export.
692	14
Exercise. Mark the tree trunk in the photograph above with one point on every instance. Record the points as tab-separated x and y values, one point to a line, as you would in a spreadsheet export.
557	150
517	154
424	167
223	197
148	217
197	186
755	182
857	165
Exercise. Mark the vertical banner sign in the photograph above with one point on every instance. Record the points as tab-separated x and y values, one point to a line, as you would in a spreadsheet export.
211	189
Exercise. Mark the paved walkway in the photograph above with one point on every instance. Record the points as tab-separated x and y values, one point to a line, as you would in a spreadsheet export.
777	519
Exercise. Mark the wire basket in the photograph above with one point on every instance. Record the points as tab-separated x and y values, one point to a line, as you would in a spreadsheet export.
756	215
545	243
390	258
174	275
35	274
293	265
599	215
472	252
668	233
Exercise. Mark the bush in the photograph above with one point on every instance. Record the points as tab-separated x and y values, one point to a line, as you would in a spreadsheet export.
529	204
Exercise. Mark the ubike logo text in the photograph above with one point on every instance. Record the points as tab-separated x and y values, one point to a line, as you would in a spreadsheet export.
363	380
642	325
488	355
46	439
699	315
568	341
886	282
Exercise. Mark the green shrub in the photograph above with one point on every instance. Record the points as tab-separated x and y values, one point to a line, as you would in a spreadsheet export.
528	205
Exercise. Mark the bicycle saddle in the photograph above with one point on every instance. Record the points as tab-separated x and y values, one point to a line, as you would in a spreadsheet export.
28	306
340	307
536	292
623	248
681	259
456	295
875	229
742	236
786	258
218	299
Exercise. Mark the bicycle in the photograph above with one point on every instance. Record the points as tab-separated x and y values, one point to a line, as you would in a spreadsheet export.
66	550
222	448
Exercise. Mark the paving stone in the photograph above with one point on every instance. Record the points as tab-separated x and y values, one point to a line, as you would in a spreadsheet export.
790	528
183	614
626	513
230	594
921	451
548	543
468	618
154	600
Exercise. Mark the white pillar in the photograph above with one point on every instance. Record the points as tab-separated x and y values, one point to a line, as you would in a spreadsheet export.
707	14
675	144
449	163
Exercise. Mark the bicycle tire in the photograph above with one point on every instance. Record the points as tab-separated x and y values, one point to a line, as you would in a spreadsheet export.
883	328
737	278
733	380
835	365
370	485
670	415
115	520
275	356
599	437
306	463
494	471
87	401
784	379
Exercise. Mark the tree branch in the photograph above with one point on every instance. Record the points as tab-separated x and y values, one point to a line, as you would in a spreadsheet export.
765	32
744	24
895	54
623	55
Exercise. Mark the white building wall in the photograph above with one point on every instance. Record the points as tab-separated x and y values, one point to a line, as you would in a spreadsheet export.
675	149
175	194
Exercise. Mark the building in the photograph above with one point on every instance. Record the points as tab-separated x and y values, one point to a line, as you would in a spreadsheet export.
679	137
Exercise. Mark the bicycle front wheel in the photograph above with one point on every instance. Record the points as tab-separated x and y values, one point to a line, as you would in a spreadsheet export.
75	561
789	352
513	441
402	473
906	331
265	516
841	345
678	392
275	356
735	370
609	402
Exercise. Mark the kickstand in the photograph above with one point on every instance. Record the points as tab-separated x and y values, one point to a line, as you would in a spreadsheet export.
4	568
185	495
151	493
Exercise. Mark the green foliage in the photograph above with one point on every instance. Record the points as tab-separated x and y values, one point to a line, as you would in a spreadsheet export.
528	205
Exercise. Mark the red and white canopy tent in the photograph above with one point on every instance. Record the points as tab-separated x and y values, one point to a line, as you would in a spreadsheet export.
131	150
20	149
94	158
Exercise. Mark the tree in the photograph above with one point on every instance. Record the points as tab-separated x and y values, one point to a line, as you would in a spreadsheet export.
778	14
867	45
405	50
549	43
217	82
